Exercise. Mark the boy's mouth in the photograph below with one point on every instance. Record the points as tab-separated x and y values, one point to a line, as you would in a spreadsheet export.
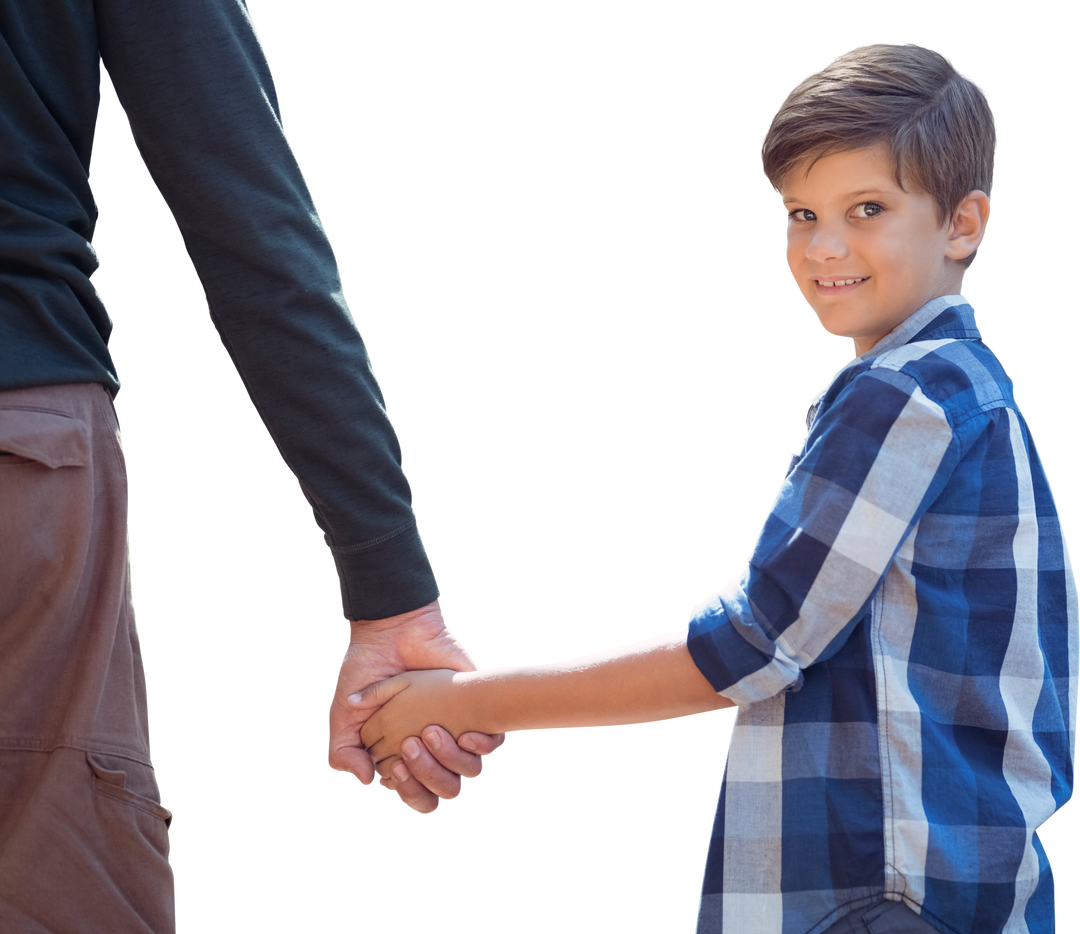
839	285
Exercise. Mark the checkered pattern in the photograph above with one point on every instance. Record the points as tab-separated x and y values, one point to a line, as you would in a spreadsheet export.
903	651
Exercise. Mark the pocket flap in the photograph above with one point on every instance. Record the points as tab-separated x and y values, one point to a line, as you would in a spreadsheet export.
50	438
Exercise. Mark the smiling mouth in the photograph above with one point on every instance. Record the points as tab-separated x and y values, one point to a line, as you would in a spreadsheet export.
838	287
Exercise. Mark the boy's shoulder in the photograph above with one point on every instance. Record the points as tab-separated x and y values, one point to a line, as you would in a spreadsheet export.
946	361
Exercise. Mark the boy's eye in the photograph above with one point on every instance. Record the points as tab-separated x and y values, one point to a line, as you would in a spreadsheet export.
875	208
868	208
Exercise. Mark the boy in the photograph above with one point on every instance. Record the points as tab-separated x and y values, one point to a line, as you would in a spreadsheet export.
903	645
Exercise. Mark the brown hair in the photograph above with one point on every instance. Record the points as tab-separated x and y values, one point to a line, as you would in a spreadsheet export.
935	122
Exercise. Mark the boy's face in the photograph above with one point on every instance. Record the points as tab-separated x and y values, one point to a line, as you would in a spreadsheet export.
865	253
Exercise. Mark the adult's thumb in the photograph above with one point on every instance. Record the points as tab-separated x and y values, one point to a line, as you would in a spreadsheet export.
374	695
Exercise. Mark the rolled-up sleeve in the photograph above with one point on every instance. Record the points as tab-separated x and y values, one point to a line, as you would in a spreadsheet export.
878	454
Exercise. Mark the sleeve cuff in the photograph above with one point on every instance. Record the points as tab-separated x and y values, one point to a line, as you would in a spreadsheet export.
385	577
734	666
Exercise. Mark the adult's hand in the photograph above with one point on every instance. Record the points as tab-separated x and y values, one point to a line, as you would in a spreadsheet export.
381	649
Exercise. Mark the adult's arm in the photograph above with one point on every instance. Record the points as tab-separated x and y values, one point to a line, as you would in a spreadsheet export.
201	103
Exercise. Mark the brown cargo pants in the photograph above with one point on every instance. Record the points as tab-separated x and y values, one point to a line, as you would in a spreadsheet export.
83	837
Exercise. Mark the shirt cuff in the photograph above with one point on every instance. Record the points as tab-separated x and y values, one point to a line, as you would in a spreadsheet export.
386	577
744	666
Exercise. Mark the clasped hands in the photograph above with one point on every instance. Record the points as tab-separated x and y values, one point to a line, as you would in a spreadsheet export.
430	765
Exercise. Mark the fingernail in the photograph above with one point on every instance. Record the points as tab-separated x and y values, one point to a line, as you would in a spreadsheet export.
467	744
410	748
433	739
355	699
400	772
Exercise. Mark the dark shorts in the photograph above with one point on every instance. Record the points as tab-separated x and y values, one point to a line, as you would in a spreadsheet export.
83	836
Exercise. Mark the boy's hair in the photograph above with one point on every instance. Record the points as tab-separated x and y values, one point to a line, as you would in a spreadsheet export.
935	122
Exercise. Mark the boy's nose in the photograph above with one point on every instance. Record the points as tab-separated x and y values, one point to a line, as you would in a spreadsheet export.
825	245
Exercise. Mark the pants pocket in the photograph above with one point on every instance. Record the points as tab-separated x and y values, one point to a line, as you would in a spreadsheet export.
52	439
132	829
81	850
112	776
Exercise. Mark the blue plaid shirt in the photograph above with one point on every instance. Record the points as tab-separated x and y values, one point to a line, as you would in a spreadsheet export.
903	651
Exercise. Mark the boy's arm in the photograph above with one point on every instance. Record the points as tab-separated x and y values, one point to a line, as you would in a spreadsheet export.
650	680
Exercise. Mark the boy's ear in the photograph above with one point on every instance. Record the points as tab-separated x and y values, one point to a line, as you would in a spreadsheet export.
968	225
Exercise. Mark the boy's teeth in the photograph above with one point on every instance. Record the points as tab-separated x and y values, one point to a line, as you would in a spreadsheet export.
841	282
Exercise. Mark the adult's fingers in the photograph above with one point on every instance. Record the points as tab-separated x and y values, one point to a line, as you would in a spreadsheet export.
356	763
347	753
481	743
350	709
435	773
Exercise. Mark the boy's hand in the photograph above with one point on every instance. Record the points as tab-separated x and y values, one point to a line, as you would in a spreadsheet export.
402	707
380	649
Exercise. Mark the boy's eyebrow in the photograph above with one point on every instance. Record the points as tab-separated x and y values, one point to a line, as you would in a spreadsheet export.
849	195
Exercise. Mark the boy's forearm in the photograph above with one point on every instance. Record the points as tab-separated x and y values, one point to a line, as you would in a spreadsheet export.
652	680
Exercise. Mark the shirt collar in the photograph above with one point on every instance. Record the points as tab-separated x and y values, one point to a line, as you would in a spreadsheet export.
947	317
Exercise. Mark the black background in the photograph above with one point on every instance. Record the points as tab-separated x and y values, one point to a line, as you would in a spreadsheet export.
559	248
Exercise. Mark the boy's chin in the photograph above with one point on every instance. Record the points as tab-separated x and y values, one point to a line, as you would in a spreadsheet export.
831	328
831	332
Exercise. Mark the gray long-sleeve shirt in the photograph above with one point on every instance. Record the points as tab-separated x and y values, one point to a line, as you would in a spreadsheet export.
196	88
